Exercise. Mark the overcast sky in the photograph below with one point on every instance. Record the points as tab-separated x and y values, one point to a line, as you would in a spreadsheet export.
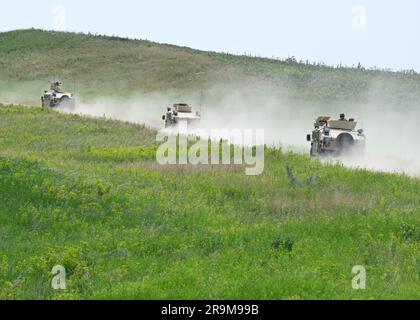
383	33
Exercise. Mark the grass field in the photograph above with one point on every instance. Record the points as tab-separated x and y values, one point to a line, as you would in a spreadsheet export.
88	194
110	66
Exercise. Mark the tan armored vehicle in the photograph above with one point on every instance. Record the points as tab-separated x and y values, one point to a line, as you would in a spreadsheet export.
55	97
335	137
180	112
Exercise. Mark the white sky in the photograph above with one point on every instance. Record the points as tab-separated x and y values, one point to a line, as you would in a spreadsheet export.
383	33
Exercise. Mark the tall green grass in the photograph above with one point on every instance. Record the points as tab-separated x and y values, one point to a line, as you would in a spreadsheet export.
86	193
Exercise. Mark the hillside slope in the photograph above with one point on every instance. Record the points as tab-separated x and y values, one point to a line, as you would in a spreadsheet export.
87	193
98	65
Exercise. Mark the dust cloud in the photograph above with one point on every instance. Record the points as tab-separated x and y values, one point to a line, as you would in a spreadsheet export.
392	131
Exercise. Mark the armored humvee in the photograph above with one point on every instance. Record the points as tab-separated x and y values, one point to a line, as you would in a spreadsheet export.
180	112
335	137
55	97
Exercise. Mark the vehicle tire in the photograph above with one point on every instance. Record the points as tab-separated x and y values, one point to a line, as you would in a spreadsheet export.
66	103
44	102
345	141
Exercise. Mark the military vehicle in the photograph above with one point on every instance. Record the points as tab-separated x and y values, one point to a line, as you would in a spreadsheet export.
181	112
335	137
55	97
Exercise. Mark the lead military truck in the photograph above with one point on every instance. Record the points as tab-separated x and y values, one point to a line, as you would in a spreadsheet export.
55	97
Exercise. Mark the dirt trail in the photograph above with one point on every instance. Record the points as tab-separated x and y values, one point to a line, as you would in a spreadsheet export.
392	136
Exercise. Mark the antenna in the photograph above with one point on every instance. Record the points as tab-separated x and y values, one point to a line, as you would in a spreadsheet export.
201	100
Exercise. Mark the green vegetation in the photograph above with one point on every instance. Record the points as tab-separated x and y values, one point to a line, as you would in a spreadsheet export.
98	65
86	193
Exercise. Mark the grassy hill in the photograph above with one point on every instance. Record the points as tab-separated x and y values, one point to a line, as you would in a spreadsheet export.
100	65
88	194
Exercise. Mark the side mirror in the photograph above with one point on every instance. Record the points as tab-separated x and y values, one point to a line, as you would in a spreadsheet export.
308	138
163	117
